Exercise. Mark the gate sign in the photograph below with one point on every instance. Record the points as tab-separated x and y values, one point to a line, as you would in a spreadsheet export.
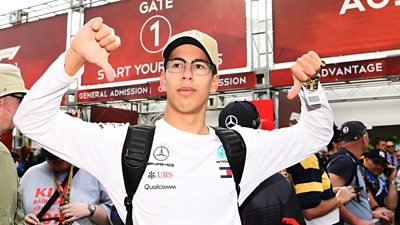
33	46
146	25
334	28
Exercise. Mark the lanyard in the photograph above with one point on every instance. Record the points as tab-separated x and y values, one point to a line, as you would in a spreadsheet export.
65	191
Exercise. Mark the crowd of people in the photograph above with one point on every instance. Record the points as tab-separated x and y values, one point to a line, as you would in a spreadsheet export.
284	181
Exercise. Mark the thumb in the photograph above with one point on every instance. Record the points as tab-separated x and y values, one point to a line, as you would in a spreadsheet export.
96	23
108	70
294	90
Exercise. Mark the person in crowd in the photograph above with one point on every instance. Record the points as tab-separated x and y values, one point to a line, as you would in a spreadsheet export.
333	145
380	144
82	199
274	200
391	153
380	178
320	205
12	90
24	153
344	169
194	192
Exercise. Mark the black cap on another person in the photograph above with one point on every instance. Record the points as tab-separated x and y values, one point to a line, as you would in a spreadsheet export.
352	131
377	156
241	113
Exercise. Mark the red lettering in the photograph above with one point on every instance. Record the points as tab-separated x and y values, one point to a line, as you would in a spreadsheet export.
164	174
40	192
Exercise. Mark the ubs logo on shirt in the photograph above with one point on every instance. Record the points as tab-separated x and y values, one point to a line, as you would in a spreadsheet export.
160	174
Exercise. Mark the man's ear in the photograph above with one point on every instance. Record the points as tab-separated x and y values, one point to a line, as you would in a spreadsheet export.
163	87
214	83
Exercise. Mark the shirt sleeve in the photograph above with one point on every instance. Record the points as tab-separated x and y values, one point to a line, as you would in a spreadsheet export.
100	145
271	151
19	218
342	167
307	180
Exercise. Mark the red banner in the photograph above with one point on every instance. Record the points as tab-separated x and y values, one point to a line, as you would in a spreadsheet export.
33	46
334	28
113	94
145	27
237	81
344	71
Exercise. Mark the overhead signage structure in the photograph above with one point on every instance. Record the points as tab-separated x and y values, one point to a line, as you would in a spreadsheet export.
334	28
33	46
344	71
145	27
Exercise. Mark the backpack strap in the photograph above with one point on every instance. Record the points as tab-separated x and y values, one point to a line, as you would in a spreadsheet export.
235	150
135	156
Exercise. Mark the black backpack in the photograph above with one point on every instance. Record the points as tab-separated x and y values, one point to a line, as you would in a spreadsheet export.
136	153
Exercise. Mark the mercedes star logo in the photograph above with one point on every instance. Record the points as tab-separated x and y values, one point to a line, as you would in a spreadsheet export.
231	121
161	153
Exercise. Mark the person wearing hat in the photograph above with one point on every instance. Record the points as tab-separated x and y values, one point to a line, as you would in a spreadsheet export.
274	200
344	169
12	90
380	178
185	186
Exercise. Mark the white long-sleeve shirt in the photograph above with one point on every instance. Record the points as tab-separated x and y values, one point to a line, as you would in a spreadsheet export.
185	186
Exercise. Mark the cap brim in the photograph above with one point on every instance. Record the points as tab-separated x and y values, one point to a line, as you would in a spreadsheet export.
13	92
181	41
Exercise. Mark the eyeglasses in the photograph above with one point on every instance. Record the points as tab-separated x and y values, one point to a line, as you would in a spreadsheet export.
198	66
389	146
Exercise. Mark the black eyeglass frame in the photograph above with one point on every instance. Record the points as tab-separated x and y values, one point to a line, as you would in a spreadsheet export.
210	65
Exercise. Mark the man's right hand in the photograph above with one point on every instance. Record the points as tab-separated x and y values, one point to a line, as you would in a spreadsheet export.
93	43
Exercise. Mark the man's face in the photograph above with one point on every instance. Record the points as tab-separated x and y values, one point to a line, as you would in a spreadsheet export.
381	145
8	107
187	92
398	156
389	147
57	164
375	166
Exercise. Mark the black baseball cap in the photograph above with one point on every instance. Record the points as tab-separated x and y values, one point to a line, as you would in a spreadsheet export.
352	131
243	113
47	155
377	156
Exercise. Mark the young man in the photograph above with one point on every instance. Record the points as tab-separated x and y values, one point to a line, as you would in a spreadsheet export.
182	183
12	90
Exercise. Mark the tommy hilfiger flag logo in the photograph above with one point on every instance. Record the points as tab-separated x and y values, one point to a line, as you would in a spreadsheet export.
226	172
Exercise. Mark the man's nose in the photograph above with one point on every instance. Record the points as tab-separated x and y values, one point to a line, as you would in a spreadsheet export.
187	72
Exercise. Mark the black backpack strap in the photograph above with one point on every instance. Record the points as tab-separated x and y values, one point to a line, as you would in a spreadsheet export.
53	198
135	156
235	150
